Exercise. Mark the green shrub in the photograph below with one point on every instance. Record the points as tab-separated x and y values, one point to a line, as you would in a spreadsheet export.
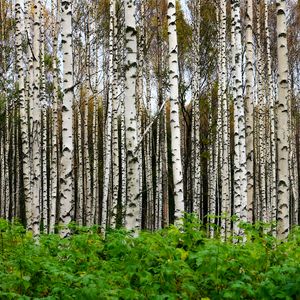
169	264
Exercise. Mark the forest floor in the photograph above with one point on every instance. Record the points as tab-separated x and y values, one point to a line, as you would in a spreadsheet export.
168	264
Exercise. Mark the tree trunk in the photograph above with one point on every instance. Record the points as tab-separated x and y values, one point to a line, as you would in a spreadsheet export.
36	124
283	184
66	172
249	99
174	112
225	144
23	113
132	220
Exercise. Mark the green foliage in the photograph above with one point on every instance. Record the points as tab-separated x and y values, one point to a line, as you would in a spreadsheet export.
174	263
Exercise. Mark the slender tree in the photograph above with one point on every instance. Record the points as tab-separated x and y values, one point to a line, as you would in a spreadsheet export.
23	112
249	102
223	126
283	184
174	111
132	220
36	122
66	172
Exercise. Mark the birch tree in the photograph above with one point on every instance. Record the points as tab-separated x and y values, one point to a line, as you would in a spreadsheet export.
271	98
174	112
109	119
283	119
36	123
196	161
223	123
55	130
132	220
23	112
240	184
66	172
249	101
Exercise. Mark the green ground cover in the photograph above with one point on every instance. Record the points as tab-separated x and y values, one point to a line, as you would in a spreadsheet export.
169	264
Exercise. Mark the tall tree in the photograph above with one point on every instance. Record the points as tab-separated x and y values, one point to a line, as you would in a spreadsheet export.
283	184
240	207
224	126
66	172
132	220
174	112
23	111
36	122
249	102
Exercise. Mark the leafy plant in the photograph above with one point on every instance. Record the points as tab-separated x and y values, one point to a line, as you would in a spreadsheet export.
174	263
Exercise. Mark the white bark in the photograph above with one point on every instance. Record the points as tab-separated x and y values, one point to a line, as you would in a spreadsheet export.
283	184
80	169
240	204
36	125
148	151
115	135
224	143
29	98
88	96
195	140
66	172
164	206
87	171
23	113
44	118
139	100
132	220
271	102
55	131
95	161
260	122
249	101
174	112
108	125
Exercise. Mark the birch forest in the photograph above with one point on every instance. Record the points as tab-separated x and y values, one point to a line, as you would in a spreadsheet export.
146	115
131	113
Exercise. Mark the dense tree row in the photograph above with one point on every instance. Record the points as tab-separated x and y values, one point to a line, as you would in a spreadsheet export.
129	113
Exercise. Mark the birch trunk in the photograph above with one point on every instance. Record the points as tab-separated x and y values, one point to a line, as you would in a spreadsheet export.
249	99
236	156
283	119
260	121
149	151
108	126
80	166
153	207
23	113
94	45
66	172
241	204
123	155
88	96
195	140
132	220
115	131
36	124
224	144
174	112
86	157
44	118
96	159
164	208
139	99
55	132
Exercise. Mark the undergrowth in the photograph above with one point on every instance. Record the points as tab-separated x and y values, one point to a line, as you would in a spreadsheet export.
168	264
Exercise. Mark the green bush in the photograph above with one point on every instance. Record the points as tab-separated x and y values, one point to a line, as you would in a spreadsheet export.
170	264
